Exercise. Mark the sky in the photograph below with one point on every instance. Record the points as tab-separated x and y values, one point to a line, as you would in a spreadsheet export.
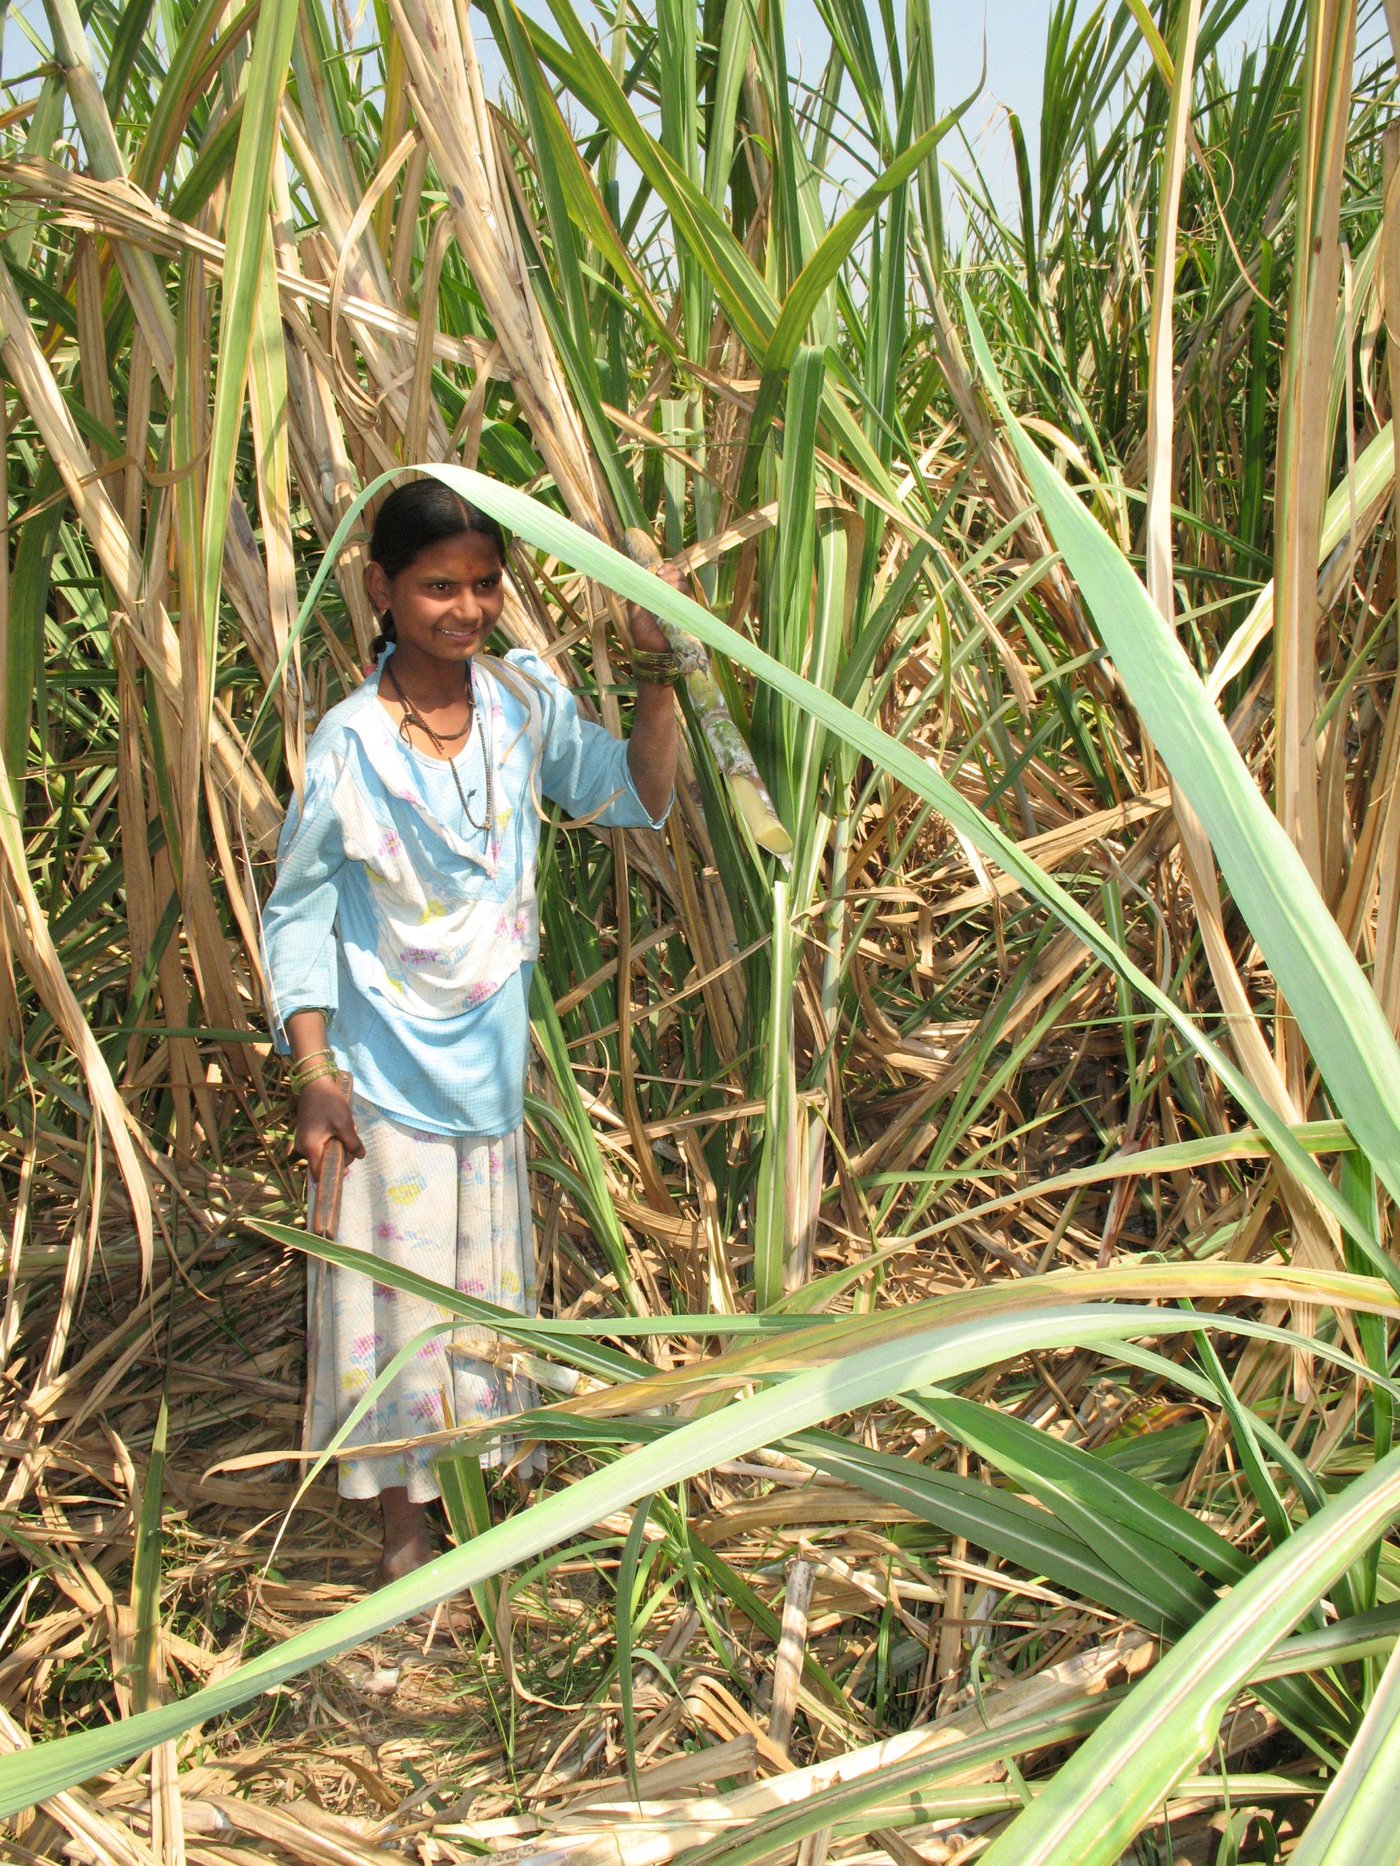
1013	32
1014	35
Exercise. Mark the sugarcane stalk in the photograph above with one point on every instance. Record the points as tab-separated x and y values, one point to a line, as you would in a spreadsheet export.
748	793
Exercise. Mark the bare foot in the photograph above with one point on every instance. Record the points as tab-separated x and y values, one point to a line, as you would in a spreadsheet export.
403	1560
407	1544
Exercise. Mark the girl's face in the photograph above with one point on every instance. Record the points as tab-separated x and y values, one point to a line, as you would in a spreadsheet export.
446	602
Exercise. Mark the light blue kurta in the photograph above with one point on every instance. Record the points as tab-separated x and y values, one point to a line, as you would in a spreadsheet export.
413	930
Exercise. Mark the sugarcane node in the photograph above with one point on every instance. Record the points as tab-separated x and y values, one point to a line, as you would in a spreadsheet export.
641	547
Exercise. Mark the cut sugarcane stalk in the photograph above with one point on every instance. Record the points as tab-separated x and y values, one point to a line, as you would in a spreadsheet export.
747	791
330	1180
330	1183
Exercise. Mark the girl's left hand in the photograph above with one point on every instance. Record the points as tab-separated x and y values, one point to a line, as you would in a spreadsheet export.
647	632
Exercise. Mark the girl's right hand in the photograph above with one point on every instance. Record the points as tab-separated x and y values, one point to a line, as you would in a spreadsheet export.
323	1113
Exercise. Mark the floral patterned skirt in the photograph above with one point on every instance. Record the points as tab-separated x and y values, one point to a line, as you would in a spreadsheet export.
454	1209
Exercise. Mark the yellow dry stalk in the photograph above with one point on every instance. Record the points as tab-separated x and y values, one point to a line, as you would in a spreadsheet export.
243	573
27	932
444	82
224	769
1380	838
148	625
623	1831
127	217
1305	426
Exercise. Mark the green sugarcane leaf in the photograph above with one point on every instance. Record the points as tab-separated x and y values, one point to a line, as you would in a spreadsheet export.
1094	1499
706	233
1113	1784
628	1604
583	1141
989	1519
1356	1824
249	232
822	269
146	1571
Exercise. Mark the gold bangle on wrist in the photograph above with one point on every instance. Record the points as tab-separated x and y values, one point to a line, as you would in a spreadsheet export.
302	1076
656	667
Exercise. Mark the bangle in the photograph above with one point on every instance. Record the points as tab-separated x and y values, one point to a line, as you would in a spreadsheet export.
300	1068
301	1078
656	667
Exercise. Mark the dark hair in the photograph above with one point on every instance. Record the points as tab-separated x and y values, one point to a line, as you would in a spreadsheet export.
411	519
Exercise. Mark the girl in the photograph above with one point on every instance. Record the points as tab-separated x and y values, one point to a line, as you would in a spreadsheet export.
400	939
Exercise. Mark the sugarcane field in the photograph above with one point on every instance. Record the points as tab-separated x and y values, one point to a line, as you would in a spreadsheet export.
699	885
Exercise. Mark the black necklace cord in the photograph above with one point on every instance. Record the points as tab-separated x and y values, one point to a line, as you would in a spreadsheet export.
411	717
